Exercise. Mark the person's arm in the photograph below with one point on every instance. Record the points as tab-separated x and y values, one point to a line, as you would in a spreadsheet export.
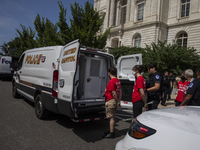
142	94
171	84
187	99
114	94
154	88
120	95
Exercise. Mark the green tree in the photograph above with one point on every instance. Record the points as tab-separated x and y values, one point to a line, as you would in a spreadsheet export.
64	32
5	48
47	34
25	40
169	57
85	25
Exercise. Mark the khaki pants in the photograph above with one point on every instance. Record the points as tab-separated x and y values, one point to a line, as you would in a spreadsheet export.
111	107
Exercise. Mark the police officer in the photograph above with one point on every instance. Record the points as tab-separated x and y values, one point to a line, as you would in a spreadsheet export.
172	80
154	86
166	87
193	92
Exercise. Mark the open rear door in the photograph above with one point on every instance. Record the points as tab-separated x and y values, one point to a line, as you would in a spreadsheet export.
125	65
67	71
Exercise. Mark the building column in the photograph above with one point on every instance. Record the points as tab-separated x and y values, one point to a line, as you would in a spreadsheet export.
112	11
128	10
107	13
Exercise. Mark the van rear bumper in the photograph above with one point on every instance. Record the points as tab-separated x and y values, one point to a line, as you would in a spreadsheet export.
88	110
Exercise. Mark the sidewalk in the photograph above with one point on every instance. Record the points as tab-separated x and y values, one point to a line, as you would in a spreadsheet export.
169	103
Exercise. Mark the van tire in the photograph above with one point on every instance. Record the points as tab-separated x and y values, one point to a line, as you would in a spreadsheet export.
40	111
14	91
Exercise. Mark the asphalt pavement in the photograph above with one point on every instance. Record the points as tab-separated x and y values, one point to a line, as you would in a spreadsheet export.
20	129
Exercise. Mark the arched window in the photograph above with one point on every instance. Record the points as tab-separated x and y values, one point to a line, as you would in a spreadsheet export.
123	11
137	41
185	8
182	39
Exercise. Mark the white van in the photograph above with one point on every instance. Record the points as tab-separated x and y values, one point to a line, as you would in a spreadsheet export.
5	62
69	80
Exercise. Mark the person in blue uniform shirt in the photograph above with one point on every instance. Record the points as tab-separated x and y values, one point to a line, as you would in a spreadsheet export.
154	87
166	87
193	92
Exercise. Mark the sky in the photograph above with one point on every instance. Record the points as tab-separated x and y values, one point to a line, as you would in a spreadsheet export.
16	12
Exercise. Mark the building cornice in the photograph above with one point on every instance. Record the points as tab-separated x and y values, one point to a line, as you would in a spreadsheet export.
184	23
135	26
139	25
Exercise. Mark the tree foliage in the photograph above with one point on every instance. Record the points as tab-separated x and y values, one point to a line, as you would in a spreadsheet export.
169	57
47	34
85	25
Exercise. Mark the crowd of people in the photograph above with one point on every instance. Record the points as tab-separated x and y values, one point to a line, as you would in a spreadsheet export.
148	93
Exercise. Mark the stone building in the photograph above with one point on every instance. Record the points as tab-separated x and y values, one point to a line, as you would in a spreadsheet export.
140	22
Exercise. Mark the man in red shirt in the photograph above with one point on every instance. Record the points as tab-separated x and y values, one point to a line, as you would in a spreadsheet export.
113	96
182	88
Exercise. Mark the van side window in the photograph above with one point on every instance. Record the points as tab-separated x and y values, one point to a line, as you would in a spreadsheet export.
20	62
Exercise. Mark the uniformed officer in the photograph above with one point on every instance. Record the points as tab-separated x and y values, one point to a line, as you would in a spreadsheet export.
172	80
154	86
166	87
193	92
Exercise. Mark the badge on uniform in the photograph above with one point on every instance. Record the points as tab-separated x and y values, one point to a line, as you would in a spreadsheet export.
191	85
157	77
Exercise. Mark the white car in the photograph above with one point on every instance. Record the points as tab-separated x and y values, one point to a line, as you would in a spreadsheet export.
175	128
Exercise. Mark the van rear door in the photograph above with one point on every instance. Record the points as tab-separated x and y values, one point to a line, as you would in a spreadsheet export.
67	69
125	65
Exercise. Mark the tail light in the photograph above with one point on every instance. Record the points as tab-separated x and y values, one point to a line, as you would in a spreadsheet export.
55	84
139	131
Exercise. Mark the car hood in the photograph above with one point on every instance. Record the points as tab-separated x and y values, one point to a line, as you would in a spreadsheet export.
186	118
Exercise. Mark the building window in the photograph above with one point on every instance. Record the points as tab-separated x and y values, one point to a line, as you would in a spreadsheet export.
140	12
185	8
123	12
182	40
137	41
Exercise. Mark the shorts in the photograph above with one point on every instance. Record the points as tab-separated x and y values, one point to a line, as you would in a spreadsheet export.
111	107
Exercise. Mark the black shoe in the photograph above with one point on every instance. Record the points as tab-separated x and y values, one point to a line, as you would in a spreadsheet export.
106	132
110	135
163	104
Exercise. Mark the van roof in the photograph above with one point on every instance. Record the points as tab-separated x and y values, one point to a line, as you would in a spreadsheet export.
42	48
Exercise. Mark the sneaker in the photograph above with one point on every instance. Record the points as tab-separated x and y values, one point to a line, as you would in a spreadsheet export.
106	132
163	104
110	135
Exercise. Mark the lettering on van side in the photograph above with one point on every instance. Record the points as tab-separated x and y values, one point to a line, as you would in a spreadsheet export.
33	59
71	51
5	61
47	84
68	59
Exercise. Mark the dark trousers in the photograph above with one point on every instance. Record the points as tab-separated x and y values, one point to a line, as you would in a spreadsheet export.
156	101
137	108
170	91
177	103
165	92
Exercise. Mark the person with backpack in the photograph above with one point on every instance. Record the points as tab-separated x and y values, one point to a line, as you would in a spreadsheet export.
166	87
193	92
154	86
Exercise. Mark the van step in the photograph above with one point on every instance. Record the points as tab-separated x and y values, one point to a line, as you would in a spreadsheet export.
91	117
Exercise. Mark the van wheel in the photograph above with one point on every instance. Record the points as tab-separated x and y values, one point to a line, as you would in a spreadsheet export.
14	91
40	111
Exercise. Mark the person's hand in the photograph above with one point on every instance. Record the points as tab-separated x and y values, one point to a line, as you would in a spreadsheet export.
118	105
